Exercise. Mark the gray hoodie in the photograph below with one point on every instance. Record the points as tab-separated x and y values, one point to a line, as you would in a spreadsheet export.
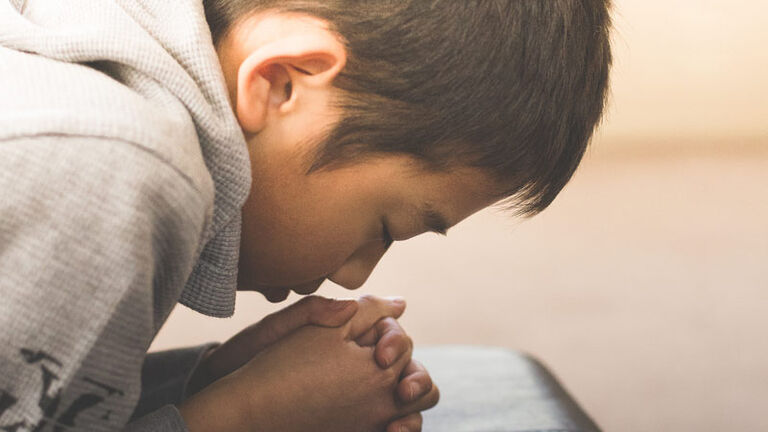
122	174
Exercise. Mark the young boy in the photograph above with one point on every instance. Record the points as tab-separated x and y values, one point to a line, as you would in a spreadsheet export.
156	152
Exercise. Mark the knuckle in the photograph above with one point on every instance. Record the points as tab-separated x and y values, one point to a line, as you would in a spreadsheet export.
373	334
405	348
390	325
391	376
367	298
393	322
369	338
394	334
393	343
393	325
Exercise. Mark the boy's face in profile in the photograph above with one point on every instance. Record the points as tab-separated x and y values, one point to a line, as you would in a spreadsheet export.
300	229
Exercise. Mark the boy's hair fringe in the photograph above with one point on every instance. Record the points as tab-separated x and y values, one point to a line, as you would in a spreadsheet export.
513	87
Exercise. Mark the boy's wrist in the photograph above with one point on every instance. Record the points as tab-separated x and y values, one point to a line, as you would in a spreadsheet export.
218	407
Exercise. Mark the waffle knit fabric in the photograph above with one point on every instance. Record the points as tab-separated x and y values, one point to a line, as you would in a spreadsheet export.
122	175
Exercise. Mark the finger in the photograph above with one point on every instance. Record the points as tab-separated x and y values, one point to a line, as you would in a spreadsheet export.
370	310
392	343
372	336
422	404
415	384
314	310
327	312
309	310
369	338
410	423
398	366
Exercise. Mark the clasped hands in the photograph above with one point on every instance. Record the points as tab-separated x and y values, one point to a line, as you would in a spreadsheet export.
317	365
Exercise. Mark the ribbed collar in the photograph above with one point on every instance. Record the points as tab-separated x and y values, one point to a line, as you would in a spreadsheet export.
168	40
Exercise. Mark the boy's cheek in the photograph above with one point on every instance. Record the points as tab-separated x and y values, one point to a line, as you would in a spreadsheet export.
298	259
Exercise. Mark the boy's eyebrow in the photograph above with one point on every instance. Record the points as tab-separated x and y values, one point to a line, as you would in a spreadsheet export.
434	220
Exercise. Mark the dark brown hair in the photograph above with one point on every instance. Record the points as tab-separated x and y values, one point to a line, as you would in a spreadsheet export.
513	87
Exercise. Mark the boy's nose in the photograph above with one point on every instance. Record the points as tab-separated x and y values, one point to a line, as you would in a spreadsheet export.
356	269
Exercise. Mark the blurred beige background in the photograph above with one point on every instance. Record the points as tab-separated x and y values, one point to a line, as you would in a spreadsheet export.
645	286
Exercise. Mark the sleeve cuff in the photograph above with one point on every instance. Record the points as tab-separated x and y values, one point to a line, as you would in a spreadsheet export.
165	376
166	419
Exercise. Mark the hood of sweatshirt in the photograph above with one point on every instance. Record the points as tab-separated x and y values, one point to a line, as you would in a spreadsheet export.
160	49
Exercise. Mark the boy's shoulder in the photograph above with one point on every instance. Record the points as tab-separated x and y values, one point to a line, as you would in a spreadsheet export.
43	96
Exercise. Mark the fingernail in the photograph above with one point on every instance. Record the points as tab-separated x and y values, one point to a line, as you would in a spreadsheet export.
403	429
414	390
388	356
396	299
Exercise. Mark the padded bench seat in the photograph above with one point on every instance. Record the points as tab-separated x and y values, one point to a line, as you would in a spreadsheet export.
497	390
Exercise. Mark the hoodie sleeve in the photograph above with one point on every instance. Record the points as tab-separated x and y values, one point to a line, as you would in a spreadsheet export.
165	377
97	237
166	419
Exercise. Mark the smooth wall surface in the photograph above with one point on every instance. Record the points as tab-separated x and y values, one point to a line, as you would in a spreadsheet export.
689	69
645	286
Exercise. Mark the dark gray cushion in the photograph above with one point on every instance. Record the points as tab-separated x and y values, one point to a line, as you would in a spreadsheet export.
497	390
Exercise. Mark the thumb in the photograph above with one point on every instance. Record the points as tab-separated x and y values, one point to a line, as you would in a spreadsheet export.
310	310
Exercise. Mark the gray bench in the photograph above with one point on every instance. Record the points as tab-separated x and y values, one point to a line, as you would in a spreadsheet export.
497	390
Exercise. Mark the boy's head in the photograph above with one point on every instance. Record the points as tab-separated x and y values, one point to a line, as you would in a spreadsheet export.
362	115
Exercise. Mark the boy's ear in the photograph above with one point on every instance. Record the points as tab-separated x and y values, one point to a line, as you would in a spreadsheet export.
275	77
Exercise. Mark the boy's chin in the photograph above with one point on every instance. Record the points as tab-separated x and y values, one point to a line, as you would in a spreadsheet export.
276	295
